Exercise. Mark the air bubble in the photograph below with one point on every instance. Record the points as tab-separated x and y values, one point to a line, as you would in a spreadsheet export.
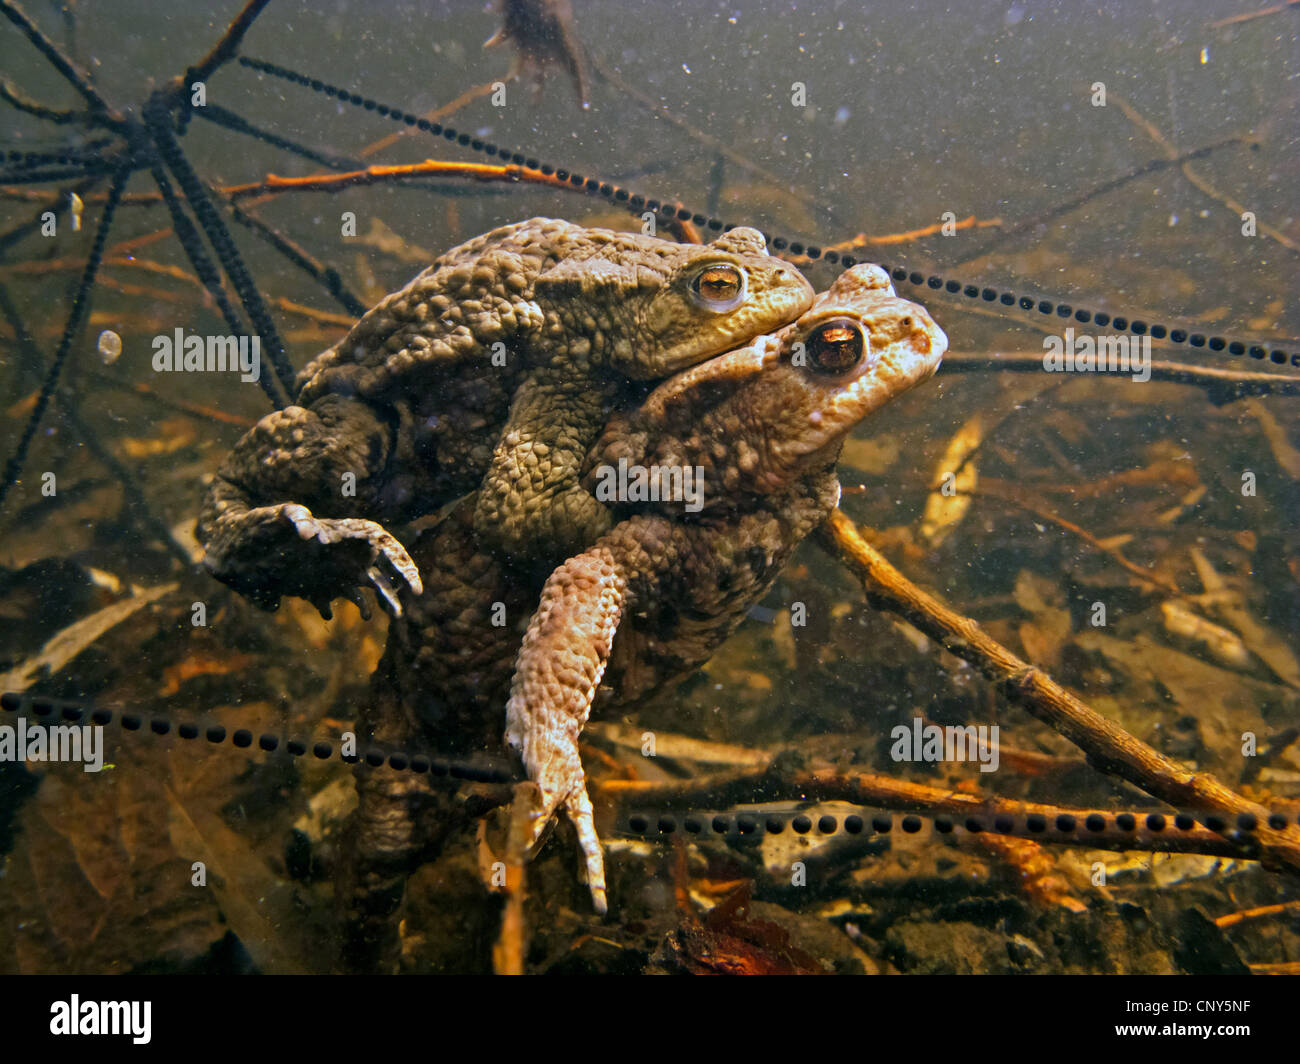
109	346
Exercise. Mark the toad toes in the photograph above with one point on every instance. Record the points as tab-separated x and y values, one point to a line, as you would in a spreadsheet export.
499	363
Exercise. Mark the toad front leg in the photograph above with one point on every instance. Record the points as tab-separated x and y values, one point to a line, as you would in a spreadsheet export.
532	502
287	512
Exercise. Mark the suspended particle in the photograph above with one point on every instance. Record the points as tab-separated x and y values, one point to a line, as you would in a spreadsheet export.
76	207
109	346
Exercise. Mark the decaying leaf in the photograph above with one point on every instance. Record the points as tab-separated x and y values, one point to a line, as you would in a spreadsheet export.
252	899
198	663
175	434
729	941
1047	633
382	238
1035	871
1229	606
92	885
1285	454
77	637
102	876
876	456
1185	624
953	486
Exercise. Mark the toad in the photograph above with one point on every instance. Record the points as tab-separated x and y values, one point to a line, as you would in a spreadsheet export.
498	364
760	429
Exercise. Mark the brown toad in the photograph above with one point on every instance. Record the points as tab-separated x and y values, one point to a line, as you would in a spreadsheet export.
651	599
499	363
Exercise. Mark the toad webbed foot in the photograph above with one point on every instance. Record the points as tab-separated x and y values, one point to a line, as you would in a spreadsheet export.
267	552
383	546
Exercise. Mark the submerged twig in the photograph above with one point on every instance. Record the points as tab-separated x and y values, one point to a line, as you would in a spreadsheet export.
1172	154
1224	385
1008	492
1242	915
1075	202
373	175
1249	16
1108	746
865	240
436	115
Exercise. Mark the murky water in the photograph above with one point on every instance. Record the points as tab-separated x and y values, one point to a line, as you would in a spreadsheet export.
1134	539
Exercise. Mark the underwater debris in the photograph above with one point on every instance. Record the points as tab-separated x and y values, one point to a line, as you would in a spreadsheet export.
541	33
953	488
70	642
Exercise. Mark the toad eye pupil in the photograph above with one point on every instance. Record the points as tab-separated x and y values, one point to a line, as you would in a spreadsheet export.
718	285
836	346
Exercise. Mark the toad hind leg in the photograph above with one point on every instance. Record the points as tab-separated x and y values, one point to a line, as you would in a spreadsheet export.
557	674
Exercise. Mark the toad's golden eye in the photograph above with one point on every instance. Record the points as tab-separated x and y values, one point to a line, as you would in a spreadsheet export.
836	346
719	287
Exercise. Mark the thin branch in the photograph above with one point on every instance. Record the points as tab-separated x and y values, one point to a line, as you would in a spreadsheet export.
184	406
20	101
865	240
1108	746
1075	202
1131	113
373	175
1248	16
1224	385
436	115
226	48
1233	919
1007	492
73	74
